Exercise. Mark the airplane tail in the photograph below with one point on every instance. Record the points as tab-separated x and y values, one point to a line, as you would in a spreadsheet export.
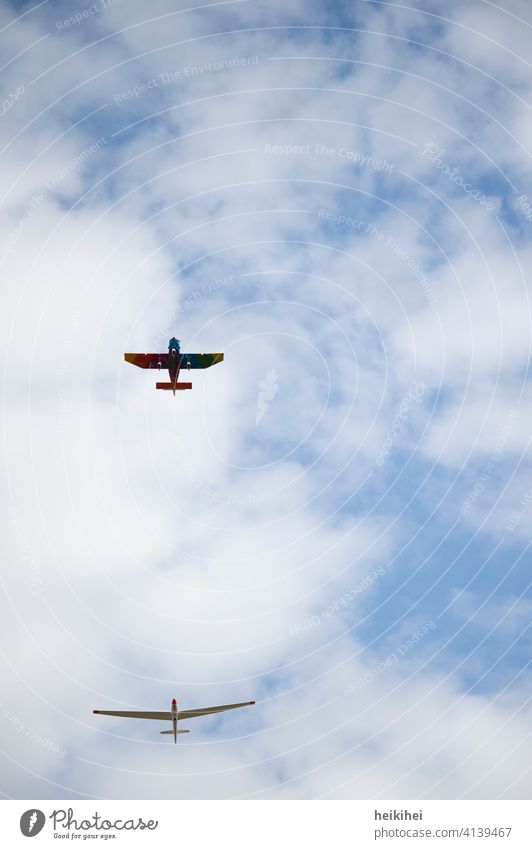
172	386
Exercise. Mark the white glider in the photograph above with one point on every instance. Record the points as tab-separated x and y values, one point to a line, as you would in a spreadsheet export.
172	715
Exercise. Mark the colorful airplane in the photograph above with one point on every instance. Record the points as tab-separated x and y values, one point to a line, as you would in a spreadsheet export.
172	715
174	361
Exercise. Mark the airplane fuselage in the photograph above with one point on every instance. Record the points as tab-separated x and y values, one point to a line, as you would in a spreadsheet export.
175	361
174	364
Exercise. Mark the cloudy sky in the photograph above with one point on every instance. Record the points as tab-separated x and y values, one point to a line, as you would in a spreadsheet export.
337	520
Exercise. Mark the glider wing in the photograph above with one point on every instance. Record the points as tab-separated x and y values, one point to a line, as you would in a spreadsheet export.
190	714
138	714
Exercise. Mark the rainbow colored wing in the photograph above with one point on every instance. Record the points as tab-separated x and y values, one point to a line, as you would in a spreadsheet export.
200	360
147	360
162	360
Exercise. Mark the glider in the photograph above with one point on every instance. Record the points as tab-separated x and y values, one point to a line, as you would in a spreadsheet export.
172	715
174	361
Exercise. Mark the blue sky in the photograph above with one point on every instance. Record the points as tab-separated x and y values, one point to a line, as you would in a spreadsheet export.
336	521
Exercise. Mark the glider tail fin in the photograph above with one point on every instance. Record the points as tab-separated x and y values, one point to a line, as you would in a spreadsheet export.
179	731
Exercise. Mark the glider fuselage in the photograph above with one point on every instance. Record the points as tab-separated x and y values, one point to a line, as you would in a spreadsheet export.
174	719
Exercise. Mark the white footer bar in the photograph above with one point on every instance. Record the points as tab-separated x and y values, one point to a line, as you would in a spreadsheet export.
268	824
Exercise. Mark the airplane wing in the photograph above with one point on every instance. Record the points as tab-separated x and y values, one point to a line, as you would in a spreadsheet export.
190	714
162	360
200	360
147	360
138	714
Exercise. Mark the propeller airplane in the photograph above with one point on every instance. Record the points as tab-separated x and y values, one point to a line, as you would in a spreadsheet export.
174	361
